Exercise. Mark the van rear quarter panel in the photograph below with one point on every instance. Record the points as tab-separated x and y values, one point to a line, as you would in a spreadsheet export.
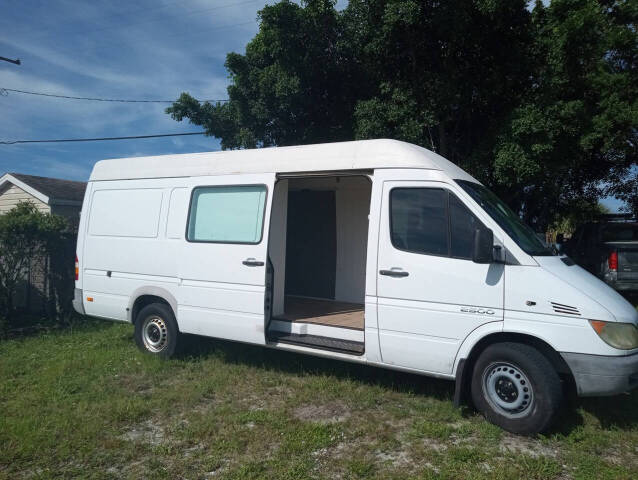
125	244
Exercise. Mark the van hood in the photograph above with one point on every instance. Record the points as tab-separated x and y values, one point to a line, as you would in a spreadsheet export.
591	286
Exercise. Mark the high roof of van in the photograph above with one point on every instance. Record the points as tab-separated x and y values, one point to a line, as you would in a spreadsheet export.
326	157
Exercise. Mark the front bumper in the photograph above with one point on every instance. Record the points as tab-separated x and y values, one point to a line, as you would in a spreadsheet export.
78	306
629	286
598	375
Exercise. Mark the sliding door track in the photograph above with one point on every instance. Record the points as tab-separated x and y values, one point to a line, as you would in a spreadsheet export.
315	341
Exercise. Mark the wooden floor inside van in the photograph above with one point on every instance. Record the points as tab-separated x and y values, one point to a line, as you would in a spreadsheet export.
323	312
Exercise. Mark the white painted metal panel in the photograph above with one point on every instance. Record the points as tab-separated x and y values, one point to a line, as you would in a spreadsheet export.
219	294
358	155
177	210
126	212
424	317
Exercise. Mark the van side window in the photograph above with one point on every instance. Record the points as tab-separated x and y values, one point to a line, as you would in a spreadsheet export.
418	218
227	214
431	221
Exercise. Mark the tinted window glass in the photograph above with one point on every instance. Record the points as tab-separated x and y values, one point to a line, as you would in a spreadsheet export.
620	233
418	218
463	223
231	214
523	235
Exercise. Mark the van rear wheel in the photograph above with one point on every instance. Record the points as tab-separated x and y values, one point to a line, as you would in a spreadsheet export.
156	330
516	388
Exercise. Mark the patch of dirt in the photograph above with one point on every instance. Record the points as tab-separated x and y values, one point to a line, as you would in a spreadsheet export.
622	457
436	445
147	432
398	458
272	398
322	413
527	446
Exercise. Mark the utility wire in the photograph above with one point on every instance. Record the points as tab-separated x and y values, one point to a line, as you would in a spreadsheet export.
13	142
4	92
15	62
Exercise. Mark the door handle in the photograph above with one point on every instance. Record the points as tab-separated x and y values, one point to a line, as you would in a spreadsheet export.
251	262
394	273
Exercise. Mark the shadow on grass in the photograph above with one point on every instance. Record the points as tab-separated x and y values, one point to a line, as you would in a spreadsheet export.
34	326
618	412
613	413
302	364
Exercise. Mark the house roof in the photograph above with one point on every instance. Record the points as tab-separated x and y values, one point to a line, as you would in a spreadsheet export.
48	190
357	155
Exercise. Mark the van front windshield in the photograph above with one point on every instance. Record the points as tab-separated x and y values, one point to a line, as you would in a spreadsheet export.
523	235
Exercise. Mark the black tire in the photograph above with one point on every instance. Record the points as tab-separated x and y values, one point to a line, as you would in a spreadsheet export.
510	375
156	330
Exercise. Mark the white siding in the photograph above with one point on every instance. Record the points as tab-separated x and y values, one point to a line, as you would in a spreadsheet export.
11	196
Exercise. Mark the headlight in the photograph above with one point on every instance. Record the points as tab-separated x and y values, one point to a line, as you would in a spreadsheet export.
623	336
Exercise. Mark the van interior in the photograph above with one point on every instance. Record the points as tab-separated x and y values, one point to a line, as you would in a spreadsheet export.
317	262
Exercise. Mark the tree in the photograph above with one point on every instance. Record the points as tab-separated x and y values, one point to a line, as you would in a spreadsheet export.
293	85
574	136
541	106
25	233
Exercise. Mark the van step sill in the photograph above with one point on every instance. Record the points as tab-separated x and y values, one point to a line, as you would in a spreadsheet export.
315	341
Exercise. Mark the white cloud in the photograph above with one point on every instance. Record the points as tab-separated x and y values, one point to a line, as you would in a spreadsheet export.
116	49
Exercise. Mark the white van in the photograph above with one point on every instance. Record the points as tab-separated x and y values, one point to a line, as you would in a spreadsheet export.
377	252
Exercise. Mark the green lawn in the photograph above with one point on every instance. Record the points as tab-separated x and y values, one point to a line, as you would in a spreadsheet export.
87	404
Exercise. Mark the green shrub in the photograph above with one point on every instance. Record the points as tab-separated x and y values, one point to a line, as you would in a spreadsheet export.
25	234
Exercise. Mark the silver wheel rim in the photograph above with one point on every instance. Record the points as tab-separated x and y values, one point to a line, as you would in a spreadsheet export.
154	334
507	389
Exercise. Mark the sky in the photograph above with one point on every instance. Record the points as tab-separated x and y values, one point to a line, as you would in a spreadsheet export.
147	49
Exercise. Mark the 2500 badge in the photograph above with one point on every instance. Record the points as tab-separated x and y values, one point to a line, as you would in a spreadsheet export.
480	311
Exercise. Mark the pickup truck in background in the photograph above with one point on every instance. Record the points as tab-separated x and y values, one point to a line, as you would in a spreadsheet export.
609	250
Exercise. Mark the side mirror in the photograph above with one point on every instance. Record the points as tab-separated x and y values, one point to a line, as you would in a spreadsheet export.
483	247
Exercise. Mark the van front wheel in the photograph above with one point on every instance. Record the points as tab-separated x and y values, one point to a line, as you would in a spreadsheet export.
516	388
156	330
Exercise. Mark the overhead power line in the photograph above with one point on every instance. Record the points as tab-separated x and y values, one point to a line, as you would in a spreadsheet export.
13	142
4	91
15	62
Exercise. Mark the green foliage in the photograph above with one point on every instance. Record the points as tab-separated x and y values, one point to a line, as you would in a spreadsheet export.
573	137
25	234
576	215
542	106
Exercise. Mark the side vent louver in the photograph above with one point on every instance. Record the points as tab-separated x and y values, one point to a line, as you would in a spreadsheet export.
564	309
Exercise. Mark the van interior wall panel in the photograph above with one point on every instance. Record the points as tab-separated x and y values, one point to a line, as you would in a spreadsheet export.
277	244
352	196
353	206
311	243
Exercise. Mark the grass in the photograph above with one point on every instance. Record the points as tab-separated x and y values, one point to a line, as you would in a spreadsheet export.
85	403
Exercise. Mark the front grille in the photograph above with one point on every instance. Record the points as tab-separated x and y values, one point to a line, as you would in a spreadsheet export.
564	309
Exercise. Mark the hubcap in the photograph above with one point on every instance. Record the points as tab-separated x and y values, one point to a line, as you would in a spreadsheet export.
507	389
154	334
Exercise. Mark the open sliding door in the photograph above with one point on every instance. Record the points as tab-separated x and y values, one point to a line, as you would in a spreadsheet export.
223	265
